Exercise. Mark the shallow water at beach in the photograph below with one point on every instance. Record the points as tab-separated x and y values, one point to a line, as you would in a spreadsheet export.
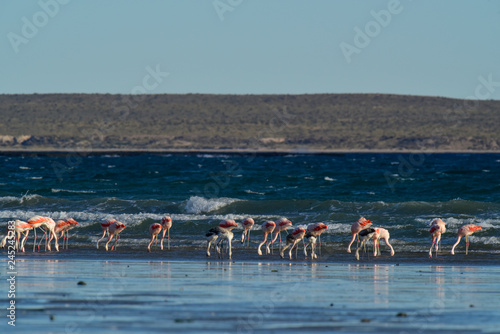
180	290
252	297
401	192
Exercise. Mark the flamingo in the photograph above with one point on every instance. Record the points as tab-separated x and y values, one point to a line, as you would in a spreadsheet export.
465	231
113	227
381	233
437	228
62	228
293	240
357	227
45	223
281	225
166	224
364	236
20	227
247	226
223	231
314	231
267	227
154	230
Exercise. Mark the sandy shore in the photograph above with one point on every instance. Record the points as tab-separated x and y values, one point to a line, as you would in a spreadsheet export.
138	295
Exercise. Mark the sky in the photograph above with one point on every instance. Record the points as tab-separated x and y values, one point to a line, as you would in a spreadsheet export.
448	48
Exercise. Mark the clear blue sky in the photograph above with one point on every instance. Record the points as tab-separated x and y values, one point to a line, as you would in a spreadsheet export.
427	47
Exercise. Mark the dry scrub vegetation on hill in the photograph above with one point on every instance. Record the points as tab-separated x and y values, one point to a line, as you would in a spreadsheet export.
252	122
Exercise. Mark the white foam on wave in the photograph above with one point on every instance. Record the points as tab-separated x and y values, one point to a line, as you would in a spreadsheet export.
197	204
73	191
485	240
329	179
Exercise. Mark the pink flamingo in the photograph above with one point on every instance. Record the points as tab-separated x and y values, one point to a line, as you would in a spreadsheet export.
20	227
314	231
437	228
45	223
465	231
357	227
281	225
62	228
267	227
381	233
166	224
221	232
247	227
154	230
113	227
293	240
364	236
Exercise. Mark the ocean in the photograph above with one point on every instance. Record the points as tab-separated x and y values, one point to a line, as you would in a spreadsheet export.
400	192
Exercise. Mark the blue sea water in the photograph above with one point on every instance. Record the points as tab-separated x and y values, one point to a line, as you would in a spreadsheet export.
401	192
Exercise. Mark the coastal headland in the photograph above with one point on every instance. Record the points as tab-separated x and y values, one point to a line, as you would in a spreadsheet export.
310	123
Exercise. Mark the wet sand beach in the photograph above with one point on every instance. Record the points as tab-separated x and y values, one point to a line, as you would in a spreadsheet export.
140	294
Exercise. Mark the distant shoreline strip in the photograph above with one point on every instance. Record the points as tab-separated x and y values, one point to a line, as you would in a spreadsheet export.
243	152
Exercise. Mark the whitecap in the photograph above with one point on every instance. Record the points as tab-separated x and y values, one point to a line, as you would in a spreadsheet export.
329	179
197	204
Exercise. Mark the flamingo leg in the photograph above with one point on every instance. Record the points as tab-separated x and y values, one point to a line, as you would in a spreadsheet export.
466	244
103	235
116	241
34	242
262	243
168	238
248	238
352	241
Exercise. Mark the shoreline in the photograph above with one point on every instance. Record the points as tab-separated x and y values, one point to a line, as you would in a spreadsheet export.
301	151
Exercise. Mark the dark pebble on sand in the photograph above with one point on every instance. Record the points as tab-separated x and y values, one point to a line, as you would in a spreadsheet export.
471	305
365	320
331	304
52	317
81	283
401	314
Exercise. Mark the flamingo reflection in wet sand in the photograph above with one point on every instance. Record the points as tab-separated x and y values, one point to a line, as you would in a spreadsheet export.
364	236
221	232
356	228
465	231
381	233
247	227
292	241
113	227
314	232
267	227
437	228
166	224
281	225
154	230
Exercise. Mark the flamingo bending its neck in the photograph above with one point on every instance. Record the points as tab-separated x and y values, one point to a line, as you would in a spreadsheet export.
357	227
221	232
381	233
267	227
166	224
45	223
292	241
465	231
314	232
112	227
364	236
20	227
281	225
154	230
437	228
247	227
